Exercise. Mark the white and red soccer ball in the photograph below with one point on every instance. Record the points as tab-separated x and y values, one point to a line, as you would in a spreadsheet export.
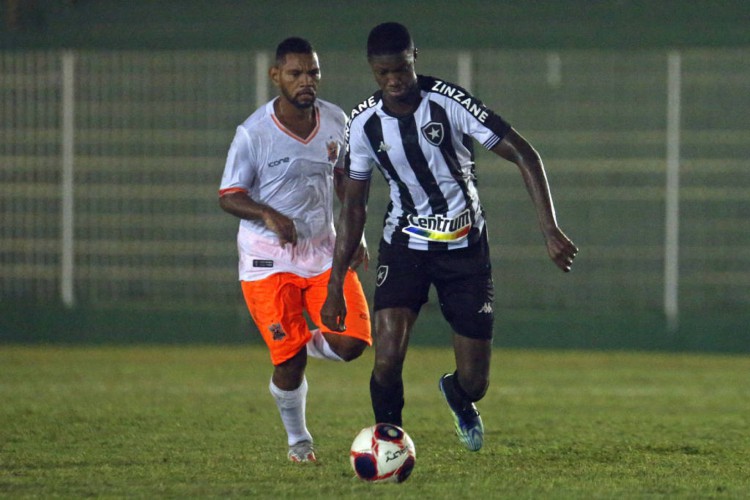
383	453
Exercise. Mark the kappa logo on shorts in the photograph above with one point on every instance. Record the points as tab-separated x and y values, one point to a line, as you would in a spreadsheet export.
486	308
382	275
277	332
433	132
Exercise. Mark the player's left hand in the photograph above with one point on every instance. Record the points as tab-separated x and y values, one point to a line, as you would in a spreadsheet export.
561	249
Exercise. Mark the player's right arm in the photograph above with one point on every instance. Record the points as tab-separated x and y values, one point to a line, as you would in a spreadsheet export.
239	204
361	255
350	229
240	173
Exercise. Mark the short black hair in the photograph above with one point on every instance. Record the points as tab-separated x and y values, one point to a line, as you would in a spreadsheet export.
293	45
388	38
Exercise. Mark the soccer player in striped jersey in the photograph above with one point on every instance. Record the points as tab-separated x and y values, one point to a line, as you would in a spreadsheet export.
282	169
418	131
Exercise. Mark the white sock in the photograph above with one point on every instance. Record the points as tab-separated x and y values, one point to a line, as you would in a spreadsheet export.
291	405
318	347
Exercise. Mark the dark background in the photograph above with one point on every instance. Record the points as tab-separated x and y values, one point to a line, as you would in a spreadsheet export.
471	24
630	26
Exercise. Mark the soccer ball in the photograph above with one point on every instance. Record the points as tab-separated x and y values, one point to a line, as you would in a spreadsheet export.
383	453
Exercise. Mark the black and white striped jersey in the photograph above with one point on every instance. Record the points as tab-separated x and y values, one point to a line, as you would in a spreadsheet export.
427	158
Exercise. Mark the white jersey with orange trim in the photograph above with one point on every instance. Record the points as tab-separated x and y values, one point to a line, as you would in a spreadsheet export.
295	177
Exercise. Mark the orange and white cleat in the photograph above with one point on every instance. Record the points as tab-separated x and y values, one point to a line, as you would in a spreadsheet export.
302	452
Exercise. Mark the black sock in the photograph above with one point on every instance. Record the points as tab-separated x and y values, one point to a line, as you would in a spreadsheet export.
387	402
457	397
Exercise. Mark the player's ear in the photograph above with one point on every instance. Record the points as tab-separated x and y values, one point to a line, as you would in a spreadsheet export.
273	74
416	51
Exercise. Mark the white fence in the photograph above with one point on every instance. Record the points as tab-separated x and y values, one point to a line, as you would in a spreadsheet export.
110	163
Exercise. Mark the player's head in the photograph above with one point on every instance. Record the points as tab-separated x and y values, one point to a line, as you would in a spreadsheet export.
391	54
389	39
292	45
296	72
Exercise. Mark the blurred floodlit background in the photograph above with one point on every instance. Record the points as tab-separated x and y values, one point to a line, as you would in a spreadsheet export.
115	118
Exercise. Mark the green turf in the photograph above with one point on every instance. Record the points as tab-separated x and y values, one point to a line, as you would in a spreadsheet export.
198	422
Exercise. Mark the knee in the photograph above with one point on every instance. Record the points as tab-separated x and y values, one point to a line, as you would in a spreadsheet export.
351	349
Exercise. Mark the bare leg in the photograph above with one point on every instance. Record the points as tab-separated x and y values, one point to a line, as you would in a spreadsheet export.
288	375
391	339
472	365
392	329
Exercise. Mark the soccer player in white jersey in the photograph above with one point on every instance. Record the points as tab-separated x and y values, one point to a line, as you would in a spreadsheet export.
418	132
282	170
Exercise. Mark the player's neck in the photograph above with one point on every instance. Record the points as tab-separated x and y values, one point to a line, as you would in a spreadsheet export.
300	121
402	107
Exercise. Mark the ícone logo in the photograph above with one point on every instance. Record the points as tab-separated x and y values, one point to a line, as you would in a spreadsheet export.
278	162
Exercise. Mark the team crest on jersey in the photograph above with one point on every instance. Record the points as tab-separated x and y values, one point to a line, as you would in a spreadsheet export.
277	332
382	275
433	132
333	148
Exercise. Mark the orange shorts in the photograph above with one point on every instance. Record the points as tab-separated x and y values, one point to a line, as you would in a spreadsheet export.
278	303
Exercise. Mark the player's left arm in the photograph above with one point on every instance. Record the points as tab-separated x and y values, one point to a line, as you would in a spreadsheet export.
514	148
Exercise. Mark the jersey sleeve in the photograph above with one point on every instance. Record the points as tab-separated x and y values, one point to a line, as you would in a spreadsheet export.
359	161
239	170
480	122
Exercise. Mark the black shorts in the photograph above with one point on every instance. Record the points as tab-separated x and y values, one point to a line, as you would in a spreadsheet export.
462	278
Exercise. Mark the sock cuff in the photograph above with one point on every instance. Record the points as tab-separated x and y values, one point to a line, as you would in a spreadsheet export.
387	402
457	387
288	398
456	395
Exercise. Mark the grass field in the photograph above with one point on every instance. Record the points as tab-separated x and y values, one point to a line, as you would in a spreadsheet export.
198	422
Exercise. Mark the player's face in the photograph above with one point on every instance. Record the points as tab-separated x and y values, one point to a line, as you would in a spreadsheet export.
395	75
297	78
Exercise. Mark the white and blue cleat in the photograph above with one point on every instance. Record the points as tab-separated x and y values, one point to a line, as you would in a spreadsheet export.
468	423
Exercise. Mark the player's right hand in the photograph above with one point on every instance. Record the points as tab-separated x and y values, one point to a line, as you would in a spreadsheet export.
282	225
